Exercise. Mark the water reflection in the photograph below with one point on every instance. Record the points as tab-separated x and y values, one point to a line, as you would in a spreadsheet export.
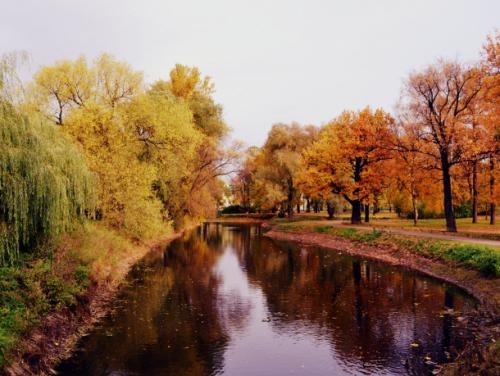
227	301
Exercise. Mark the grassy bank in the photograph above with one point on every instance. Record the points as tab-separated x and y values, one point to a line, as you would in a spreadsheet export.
64	276
485	259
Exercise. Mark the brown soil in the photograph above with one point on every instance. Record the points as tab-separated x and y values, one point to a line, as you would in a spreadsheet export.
57	335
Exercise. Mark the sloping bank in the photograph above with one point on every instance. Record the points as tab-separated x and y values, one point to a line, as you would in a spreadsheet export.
479	358
108	257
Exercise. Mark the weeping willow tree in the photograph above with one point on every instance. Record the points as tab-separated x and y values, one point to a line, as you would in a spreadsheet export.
45	186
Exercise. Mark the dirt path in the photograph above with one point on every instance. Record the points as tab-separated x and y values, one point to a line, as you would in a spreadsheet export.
445	236
420	233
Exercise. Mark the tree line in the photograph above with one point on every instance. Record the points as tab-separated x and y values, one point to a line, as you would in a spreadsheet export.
91	140
437	156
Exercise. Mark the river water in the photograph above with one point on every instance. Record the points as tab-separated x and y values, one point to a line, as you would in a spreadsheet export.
227	301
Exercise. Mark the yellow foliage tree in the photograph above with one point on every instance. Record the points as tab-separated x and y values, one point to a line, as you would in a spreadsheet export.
167	139
127	201
279	165
198	194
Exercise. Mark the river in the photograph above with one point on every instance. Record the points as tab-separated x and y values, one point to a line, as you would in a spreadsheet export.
225	300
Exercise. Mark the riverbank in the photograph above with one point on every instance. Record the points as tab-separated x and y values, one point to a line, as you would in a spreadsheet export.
108	257
399	250
56	337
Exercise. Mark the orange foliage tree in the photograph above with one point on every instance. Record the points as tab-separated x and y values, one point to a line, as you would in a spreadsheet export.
348	157
412	172
490	115
438	104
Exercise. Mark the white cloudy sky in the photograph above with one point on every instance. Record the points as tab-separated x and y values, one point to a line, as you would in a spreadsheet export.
271	60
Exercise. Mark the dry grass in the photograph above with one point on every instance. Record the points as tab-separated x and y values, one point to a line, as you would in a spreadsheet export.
108	254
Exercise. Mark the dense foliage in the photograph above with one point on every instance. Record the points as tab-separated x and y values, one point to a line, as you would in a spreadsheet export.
45	186
157	152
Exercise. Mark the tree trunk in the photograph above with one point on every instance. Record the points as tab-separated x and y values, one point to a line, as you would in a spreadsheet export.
356	212
356	203
415	209
451	224
492	191
308	205
474	191
290	197
330	209
367	213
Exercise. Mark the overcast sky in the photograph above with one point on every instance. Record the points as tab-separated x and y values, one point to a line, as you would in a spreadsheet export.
271	60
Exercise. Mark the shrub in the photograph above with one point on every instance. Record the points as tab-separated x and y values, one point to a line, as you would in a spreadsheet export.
369	236
482	258
347	233
323	229
463	210
27	293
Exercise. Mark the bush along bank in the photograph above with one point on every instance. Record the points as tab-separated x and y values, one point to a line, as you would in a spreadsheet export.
53	297
31	290
474	268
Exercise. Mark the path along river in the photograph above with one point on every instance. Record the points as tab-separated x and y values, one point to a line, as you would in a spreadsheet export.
226	301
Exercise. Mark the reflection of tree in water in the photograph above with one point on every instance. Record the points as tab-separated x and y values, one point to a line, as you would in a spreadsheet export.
222	235
170	325
193	324
371	313
234	309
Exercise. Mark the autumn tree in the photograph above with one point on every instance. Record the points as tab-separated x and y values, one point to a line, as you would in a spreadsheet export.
200	187
243	187
279	163
116	81
73	84
166	138
490	113
125	181
88	103
438	102
409	170
46	188
348	157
